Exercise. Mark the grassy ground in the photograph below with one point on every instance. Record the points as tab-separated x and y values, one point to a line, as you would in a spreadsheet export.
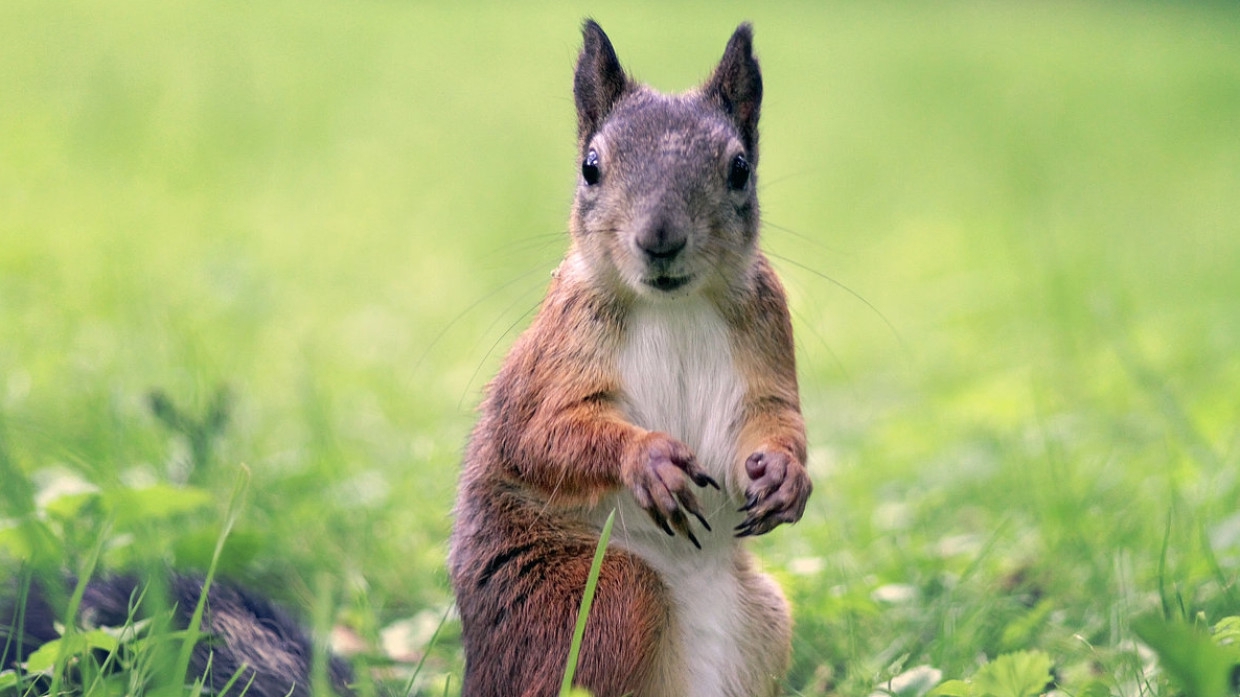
1010	233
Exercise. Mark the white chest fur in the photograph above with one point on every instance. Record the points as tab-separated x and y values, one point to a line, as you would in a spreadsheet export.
679	377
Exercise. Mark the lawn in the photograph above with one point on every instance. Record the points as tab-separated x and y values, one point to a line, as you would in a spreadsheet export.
1010	234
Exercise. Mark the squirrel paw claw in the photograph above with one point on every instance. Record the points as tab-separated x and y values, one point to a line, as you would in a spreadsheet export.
660	481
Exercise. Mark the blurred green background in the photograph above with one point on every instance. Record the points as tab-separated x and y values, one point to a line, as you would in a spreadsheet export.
1009	232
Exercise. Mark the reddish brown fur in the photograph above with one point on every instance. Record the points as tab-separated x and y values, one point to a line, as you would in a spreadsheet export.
551	438
553	441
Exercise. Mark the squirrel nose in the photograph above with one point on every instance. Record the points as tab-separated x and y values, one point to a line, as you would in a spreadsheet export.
662	243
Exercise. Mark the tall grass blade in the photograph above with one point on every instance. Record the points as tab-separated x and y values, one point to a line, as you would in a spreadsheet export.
75	601
320	684
1162	570
417	670
1226	585
587	601
192	632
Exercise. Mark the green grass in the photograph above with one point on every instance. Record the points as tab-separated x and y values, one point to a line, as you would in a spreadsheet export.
1009	231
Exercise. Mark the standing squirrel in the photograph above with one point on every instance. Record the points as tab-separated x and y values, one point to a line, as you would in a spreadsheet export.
658	379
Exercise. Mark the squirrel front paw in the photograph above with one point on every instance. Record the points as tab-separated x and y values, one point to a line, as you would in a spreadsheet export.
658	473
778	488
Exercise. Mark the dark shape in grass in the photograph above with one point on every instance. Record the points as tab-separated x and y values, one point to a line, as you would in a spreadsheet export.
248	645
200	432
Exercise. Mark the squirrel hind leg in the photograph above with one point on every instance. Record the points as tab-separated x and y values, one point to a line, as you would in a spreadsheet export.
517	641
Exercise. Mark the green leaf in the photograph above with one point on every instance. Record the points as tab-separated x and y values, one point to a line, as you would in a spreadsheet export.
1020	674
30	541
42	660
70	505
99	639
195	548
156	502
1095	688
8	678
112	686
952	688
1226	632
1021	631
1189	656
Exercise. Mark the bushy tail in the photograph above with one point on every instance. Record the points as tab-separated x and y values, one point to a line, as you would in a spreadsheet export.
244	635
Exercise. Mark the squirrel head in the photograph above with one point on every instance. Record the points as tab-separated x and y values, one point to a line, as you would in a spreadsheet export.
666	202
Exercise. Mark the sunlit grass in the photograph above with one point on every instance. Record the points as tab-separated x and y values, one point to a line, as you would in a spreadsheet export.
1009	233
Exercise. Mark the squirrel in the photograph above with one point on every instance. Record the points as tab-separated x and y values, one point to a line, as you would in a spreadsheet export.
658	379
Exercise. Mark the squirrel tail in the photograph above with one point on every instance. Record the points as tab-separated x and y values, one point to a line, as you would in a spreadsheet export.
243	634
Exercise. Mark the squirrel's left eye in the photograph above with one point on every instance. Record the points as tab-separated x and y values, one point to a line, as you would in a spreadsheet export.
589	168
738	173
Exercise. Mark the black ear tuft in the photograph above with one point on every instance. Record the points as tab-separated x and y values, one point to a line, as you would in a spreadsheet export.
736	86
599	81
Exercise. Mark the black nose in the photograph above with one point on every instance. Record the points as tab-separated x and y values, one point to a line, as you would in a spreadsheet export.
662	243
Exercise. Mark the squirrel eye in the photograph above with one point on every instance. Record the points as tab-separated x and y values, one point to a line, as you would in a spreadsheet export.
589	168
738	173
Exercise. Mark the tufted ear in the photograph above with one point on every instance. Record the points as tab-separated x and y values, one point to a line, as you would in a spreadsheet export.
736	86
599	81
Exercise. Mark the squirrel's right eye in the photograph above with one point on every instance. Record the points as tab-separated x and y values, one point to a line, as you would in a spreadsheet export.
738	173
589	168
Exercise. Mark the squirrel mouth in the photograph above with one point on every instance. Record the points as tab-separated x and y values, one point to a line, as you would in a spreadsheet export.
667	284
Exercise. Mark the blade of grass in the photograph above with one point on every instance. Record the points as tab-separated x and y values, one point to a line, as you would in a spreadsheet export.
1162	569
227	689
587	601
192	631
11	634
17	494
1226	585
113	656
75	601
426	652
320	686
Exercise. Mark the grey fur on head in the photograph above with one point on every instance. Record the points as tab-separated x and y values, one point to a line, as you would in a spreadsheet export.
599	81
735	85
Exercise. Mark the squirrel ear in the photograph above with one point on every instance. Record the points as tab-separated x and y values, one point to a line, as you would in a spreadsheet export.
599	81
736	85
